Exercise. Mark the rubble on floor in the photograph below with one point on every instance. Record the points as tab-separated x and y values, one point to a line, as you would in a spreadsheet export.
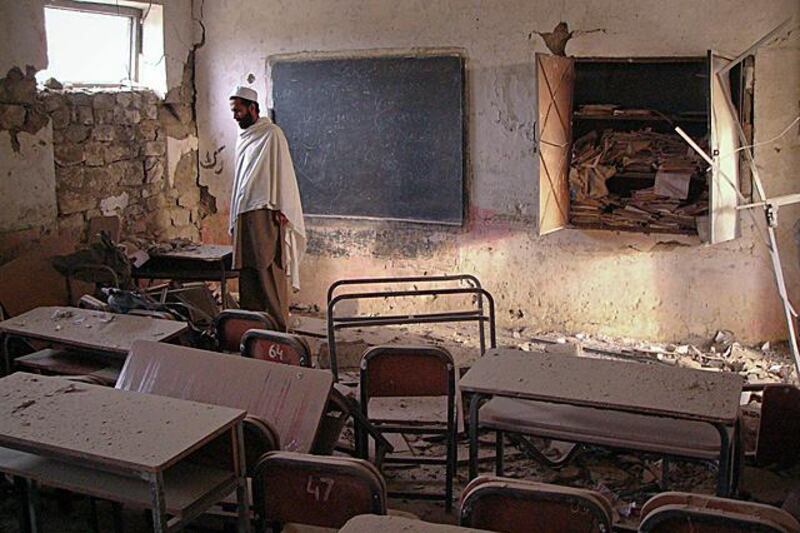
627	479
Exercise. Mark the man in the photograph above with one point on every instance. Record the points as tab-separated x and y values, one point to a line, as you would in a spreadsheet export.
266	218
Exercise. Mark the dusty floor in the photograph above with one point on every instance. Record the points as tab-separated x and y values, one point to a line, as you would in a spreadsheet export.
628	480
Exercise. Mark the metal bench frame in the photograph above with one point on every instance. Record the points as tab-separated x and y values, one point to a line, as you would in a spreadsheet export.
479	313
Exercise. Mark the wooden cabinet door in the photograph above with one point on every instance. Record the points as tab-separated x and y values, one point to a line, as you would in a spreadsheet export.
555	81
724	182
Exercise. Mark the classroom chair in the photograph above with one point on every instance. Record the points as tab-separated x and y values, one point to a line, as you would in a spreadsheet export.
405	372
313	490
517	506
680	512
276	347
778	439
231	325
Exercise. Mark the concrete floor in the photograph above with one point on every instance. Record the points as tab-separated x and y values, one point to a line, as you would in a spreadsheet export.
628	480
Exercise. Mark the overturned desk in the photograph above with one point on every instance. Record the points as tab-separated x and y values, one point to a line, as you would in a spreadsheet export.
136	449
105	334
204	262
291	398
649	392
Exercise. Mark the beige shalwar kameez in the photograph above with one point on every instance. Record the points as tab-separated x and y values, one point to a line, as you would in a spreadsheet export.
266	251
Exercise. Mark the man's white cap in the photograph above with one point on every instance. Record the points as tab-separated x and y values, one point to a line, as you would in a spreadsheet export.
245	93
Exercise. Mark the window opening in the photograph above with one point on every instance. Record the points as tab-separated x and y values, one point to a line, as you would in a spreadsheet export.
92	44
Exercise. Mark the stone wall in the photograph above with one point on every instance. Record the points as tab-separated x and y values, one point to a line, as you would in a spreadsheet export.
68	155
110	159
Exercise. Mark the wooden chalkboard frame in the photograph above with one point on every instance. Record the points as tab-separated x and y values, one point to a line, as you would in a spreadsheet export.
454	213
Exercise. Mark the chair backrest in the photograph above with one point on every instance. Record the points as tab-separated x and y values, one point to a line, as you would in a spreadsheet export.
316	490
698	513
779	429
260	437
276	347
407	371
231	325
517	506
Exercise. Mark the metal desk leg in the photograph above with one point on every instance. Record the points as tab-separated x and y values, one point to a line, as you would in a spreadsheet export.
28	500
474	407
223	286
725	460
499	450
242	506
156	480
6	354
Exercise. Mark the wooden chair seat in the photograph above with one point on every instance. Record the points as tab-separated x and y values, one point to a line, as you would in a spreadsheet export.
614	429
398	524
411	410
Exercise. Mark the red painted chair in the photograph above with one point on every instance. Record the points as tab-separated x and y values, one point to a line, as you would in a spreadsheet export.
231	325
313	490
411	371
778	439
678	512
517	506
276	347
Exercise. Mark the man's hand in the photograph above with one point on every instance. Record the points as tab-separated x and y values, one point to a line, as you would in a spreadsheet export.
282	220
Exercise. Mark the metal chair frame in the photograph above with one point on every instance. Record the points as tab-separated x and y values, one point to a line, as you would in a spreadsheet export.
449	430
478	314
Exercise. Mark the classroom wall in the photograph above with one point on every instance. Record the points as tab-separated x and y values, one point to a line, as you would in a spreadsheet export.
67	155
661	287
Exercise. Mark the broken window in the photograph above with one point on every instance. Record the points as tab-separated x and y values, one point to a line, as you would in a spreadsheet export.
92	43
610	157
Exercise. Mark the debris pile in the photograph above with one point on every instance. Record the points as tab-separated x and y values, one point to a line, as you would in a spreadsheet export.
641	180
722	353
153	247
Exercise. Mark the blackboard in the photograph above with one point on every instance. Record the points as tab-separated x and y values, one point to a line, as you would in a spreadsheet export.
375	136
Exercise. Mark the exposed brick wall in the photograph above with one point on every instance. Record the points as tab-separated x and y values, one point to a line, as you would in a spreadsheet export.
109	155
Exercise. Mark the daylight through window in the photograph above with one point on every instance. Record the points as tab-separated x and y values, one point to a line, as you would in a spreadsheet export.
91	44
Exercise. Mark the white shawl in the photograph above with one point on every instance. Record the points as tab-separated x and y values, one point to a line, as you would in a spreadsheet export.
264	178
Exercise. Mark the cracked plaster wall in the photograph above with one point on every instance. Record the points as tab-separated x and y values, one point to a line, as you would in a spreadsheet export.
130	153
661	287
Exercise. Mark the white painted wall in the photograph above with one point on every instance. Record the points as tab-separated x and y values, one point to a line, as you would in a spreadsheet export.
643	286
28	180
22	38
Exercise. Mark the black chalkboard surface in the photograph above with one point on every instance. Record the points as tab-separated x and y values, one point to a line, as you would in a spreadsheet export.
375	136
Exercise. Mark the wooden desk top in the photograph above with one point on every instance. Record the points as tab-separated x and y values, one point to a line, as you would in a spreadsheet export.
102	426
398	524
291	398
95	330
201	252
592	382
